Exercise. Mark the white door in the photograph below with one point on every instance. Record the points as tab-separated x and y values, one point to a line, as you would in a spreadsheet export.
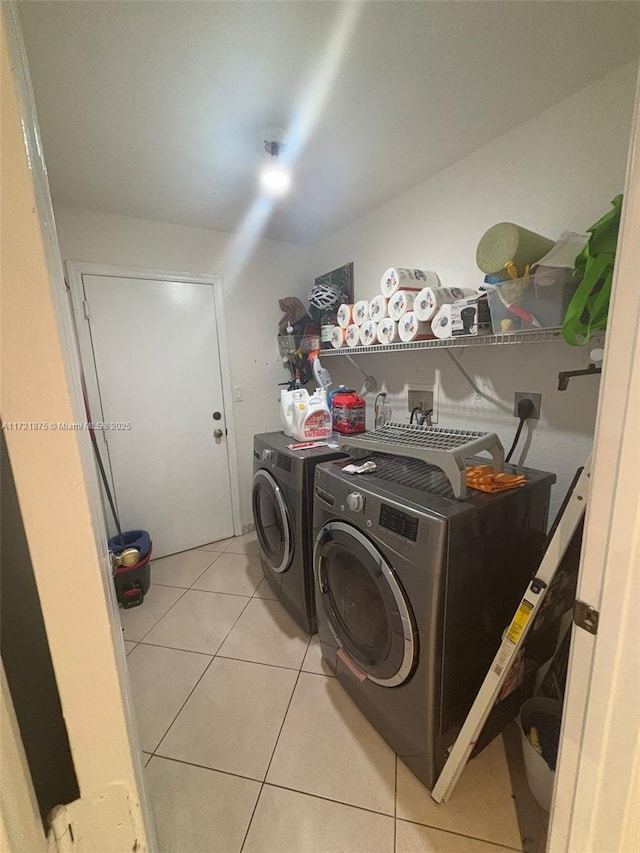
597	788
157	365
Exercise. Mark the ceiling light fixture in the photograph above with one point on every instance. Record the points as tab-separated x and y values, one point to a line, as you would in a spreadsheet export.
274	174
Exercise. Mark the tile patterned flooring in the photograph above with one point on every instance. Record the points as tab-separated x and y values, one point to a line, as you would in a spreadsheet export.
249	744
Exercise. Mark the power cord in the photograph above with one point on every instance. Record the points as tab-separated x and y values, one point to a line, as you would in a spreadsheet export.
525	410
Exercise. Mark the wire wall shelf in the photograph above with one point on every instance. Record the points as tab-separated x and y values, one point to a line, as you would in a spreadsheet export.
447	449
533	336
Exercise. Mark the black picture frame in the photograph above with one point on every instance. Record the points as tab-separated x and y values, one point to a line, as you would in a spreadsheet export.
342	279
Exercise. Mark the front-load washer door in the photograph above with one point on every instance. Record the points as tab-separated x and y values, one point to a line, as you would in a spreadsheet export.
272	521
364	604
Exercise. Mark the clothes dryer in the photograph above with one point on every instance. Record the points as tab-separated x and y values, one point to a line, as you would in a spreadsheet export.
282	499
414	589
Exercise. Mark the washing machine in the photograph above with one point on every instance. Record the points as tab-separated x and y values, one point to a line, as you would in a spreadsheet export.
414	589
282	500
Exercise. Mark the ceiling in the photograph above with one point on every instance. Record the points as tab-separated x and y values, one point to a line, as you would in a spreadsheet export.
154	109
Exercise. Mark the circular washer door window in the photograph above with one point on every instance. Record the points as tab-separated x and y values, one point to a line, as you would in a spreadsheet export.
271	518
364	604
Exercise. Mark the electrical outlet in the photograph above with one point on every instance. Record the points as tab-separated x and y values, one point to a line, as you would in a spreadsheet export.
536	399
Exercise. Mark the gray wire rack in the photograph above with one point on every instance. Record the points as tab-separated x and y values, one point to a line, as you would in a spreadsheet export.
447	449
533	336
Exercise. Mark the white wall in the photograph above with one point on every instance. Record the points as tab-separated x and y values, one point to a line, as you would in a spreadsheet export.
557	171
251	293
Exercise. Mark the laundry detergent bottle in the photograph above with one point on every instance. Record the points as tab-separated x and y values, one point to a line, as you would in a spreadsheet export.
308	416
286	403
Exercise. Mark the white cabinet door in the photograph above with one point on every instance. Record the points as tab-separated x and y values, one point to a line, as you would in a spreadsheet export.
157	363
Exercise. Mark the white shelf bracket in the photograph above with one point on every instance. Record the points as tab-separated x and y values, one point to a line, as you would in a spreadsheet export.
370	382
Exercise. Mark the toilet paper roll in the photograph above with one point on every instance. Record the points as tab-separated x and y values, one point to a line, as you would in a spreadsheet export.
387	331
378	308
430	299
353	335
369	333
360	311
408	279
412	329
401	302
345	315
338	337
441	323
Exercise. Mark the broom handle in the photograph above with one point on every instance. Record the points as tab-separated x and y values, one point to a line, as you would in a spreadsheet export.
103	473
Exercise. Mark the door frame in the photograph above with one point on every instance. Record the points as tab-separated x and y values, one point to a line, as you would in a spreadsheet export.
75	272
598	773
41	384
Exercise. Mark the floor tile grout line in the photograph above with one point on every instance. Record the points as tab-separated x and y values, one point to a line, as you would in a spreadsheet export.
206	767
255	808
146	634
459	834
273	752
260	663
263	783
176	649
204	671
181	553
184	592
228	657
275	746
209	591
328	799
395	803
213	657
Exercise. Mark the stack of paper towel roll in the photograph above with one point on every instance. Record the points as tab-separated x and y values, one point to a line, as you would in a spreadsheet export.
381	320
350	319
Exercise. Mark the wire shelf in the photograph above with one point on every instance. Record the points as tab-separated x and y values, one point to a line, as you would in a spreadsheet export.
447	449
533	336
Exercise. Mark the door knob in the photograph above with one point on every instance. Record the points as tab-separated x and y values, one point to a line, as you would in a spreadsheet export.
217	433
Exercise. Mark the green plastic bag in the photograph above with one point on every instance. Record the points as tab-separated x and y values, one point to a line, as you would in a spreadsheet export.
587	312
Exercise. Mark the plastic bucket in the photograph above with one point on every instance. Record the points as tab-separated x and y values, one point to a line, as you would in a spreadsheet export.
540	776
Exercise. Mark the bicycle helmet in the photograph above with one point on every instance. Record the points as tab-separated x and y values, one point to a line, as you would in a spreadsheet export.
321	298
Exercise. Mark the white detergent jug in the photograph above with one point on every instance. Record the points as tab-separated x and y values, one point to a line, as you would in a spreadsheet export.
286	403
290	403
311	418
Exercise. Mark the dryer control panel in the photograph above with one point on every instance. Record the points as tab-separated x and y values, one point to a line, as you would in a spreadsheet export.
398	522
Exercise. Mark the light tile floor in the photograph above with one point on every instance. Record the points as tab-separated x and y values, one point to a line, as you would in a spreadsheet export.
251	745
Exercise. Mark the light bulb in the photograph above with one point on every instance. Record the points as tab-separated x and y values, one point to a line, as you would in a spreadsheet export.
275	177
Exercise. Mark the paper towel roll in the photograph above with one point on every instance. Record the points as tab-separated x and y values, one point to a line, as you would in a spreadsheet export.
441	323
396	277
401	302
378	308
430	299
387	331
353	335
361	311
338	337
412	329
369	333
345	315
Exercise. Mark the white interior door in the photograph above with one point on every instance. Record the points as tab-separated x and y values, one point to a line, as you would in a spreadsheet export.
157	364
597	789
